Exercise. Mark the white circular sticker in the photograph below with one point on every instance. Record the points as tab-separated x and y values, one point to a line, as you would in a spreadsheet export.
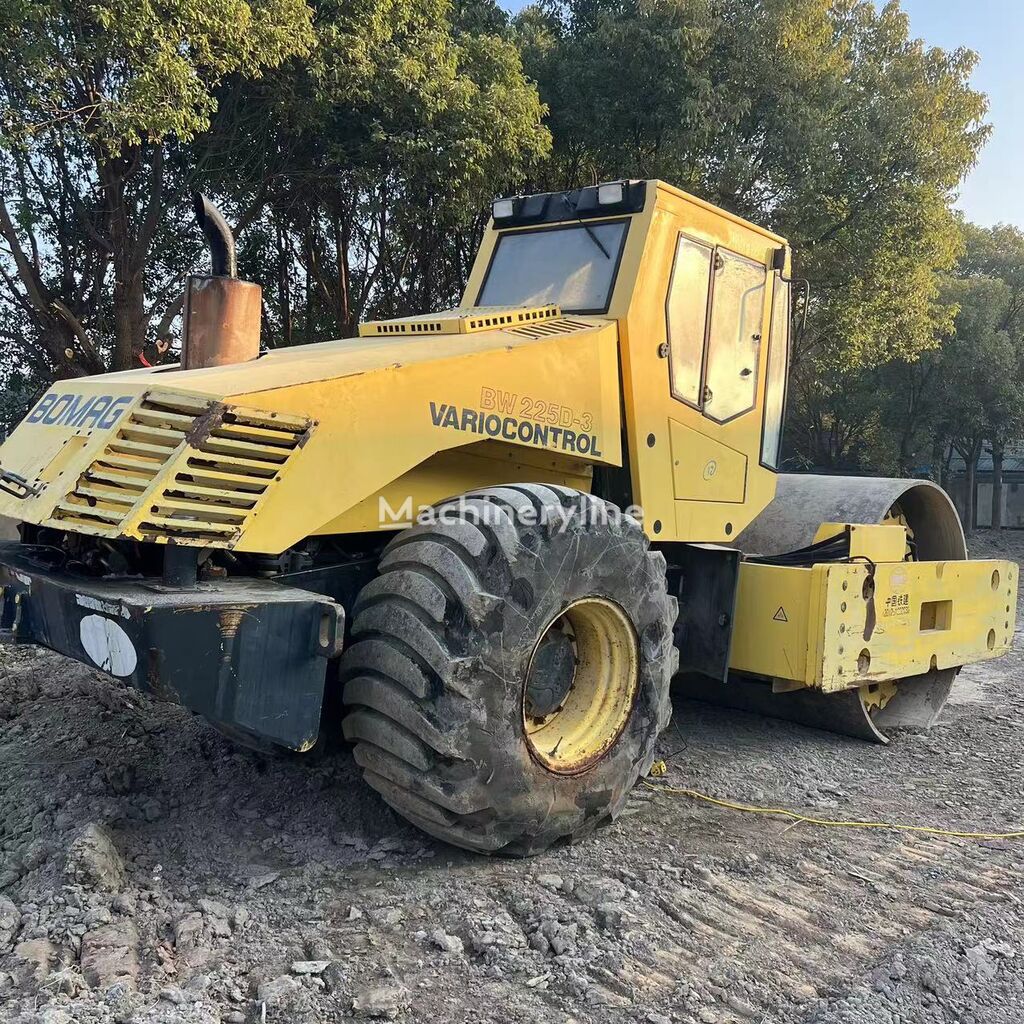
108	645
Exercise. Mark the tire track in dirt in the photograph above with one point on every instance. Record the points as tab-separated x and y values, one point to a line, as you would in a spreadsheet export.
809	924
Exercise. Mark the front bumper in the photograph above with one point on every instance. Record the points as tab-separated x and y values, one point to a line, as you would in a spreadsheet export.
248	653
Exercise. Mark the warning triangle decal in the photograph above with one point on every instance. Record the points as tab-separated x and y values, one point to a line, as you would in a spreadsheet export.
780	615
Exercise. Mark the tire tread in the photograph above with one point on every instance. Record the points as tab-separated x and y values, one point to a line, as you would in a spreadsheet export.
402	678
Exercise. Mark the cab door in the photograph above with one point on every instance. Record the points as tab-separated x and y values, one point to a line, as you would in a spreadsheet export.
714	316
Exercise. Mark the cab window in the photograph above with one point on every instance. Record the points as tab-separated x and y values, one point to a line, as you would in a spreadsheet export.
775	385
734	341
713	316
572	266
686	316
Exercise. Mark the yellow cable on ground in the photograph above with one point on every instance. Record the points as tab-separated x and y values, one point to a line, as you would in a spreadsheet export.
783	812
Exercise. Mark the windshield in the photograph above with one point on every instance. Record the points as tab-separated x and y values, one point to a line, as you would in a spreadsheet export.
573	267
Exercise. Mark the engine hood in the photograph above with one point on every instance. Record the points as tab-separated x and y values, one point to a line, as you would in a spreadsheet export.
200	456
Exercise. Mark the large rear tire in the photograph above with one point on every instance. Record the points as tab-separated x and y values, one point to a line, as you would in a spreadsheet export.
510	667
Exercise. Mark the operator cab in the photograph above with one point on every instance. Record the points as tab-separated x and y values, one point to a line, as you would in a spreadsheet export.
702	304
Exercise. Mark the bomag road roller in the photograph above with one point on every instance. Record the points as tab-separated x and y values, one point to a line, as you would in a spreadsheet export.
484	541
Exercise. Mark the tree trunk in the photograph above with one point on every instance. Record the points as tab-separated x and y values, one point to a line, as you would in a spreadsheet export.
129	320
111	174
341	246
971	456
997	485
131	236
307	266
944	472
284	295
935	470
905	454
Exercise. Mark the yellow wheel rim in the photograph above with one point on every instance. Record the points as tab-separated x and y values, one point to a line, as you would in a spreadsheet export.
603	676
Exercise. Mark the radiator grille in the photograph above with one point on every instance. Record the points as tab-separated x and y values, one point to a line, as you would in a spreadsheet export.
224	476
108	491
461	320
225	460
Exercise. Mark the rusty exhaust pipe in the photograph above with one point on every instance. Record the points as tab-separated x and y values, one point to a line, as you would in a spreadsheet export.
222	313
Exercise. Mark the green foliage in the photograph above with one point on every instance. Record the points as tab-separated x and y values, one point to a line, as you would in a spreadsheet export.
408	97
357	143
126	71
965	389
97	101
980	378
384	149
821	119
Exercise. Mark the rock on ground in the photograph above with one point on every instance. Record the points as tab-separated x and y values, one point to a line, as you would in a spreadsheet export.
93	859
109	955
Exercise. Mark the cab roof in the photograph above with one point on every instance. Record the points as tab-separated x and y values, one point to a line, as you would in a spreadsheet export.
607	199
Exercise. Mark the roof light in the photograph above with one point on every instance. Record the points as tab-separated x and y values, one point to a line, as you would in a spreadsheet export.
502	209
610	194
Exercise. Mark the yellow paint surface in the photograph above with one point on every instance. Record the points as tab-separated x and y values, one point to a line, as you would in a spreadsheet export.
704	469
840	625
377	410
876	542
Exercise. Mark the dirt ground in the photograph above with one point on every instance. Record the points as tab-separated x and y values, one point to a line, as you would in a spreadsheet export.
151	872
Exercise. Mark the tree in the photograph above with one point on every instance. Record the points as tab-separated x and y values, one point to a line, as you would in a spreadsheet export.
96	99
965	391
833	420
824	120
358	143
978	380
994	261
382	151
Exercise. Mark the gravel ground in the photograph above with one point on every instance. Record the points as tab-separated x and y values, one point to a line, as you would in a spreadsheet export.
151	872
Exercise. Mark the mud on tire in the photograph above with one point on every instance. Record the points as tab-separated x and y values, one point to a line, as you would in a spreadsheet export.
441	644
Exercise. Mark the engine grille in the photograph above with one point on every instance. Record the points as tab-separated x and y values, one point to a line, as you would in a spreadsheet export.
461	320
550	328
183	469
108	491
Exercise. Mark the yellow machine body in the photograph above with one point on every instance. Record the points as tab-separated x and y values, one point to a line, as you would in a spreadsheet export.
697	479
383	415
685	363
838	625
307	441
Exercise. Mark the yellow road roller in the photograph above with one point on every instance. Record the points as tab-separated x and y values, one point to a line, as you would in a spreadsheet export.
484	541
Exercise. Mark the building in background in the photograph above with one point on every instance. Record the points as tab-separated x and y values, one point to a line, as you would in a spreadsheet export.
1013	487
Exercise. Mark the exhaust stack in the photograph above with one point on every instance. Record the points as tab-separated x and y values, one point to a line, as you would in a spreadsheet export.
222	313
